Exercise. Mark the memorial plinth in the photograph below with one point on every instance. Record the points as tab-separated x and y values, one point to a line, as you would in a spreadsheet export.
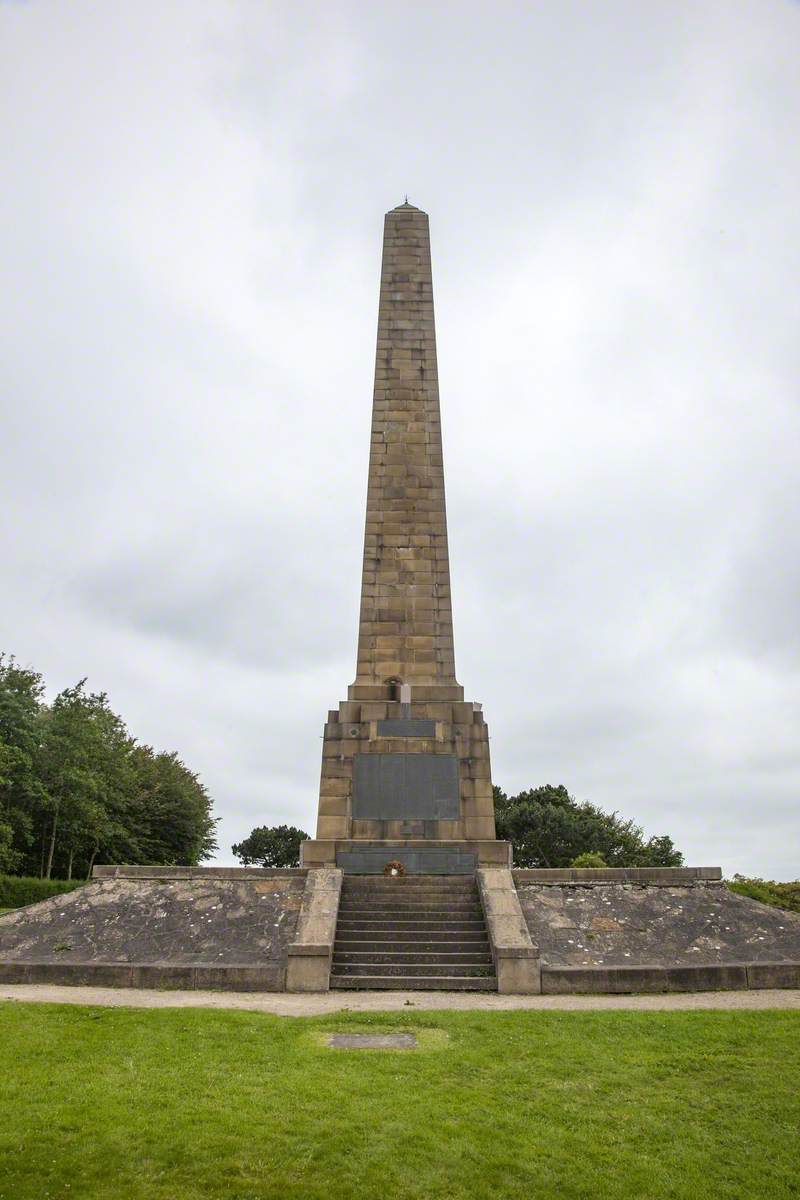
405	761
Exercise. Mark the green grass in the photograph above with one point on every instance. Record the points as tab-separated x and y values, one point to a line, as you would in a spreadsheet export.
179	1104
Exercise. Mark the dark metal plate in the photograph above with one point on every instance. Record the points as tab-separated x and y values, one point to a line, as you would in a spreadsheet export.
412	727
372	859
398	787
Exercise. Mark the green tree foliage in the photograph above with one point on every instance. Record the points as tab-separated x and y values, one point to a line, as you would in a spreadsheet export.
76	788
271	846
550	828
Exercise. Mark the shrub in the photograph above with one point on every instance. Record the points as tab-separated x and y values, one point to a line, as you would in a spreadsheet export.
16	890
780	895
589	858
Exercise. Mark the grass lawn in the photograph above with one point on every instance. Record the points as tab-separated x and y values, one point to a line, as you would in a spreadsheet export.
176	1104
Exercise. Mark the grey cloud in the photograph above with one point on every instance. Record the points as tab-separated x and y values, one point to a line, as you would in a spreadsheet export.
187	328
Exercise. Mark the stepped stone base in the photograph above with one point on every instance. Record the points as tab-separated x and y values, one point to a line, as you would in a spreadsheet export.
643	930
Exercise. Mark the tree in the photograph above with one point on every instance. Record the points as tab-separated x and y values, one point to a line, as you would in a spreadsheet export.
271	846
20	708
549	828
76	788
170	810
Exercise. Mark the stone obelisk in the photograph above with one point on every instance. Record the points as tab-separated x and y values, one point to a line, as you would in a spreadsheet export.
405	762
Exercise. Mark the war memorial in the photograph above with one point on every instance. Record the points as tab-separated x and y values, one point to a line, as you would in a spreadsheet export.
405	885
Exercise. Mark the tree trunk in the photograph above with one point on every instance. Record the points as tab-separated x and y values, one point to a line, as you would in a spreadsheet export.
91	863
52	846
69	864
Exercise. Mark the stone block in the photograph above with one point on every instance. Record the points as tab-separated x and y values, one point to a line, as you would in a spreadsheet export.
163	975
646	978
335	806
518	976
481	828
269	978
334	787
338	768
331	827
773	975
317	852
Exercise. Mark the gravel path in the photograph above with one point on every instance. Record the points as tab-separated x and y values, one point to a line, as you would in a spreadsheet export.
283	1005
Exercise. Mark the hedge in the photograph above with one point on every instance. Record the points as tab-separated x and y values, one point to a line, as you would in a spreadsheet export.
780	895
16	890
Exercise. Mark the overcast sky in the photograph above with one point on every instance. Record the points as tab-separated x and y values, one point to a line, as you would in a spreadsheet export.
192	201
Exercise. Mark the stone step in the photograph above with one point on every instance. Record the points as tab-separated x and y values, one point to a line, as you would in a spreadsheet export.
411	968
423	920
424	933
415	983
390	925
384	908
394	887
389	896
405	897
470	957
424	944
384	898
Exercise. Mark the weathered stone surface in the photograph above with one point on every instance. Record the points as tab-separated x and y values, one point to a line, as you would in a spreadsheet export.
160	929
372	1041
406	571
605	925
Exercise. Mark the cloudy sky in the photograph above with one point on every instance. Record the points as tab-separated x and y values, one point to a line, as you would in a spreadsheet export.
192	201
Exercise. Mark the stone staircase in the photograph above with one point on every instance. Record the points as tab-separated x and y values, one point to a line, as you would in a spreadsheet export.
415	932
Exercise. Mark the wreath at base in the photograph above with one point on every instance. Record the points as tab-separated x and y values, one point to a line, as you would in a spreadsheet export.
393	867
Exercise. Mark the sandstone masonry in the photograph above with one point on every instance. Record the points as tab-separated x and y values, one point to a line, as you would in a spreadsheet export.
405	760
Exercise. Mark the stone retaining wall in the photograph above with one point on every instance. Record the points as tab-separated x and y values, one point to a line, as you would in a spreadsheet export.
159	927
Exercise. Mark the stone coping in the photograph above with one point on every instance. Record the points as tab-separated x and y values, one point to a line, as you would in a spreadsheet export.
702	977
238	873
231	977
554	980
516	959
653	876
309	957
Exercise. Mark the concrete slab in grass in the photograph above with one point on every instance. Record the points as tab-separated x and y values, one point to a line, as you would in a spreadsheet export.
372	1041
